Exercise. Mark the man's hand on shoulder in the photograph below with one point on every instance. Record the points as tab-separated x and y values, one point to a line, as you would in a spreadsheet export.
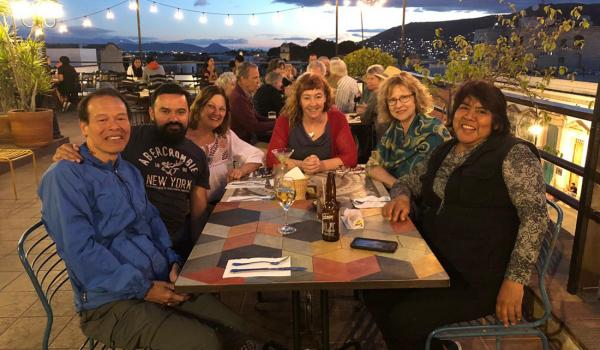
69	152
164	293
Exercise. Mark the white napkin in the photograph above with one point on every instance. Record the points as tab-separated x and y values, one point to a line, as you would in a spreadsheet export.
295	174
246	184
249	198
370	202
353	219
284	263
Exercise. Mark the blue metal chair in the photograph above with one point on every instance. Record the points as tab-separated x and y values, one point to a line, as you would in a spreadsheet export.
47	273
490	326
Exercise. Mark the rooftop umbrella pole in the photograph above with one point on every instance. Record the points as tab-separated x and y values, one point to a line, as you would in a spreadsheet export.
336	26
402	38
139	29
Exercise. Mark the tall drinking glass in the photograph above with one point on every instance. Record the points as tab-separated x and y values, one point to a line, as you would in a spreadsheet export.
285	193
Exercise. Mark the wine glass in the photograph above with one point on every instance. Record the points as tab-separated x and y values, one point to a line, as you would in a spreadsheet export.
282	155
285	194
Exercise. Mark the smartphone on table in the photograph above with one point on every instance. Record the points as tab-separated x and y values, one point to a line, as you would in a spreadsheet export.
378	245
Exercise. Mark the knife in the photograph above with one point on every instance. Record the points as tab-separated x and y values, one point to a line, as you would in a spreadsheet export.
292	268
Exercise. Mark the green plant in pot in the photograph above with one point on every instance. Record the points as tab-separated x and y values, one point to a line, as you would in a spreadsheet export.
23	66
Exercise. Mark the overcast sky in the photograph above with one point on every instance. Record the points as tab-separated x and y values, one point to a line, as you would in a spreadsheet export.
316	19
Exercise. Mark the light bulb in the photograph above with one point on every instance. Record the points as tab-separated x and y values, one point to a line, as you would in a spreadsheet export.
153	8
178	15
228	21
87	22
63	28
39	32
110	14
347	3
277	17
203	19
132	5
253	20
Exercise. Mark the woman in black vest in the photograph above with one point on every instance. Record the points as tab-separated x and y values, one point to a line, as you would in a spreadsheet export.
483	213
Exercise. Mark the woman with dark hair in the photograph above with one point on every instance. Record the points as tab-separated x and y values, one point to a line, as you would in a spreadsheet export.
67	82
209	129
135	70
209	71
319	135
483	208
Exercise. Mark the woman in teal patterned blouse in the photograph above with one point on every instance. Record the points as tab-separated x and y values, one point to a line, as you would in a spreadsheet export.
404	102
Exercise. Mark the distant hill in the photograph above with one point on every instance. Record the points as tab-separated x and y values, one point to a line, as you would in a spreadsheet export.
159	46
466	27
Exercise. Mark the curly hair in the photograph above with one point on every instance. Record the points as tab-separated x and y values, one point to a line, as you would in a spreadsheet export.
423	99
205	95
307	81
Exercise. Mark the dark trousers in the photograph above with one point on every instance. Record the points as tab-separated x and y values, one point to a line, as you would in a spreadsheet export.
406	317
203	322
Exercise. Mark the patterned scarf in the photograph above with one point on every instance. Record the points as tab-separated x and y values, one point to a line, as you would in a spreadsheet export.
398	153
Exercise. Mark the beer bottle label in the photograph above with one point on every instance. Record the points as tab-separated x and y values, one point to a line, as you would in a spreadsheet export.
328	224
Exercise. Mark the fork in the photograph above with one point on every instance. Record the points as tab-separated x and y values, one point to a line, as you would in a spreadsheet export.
276	262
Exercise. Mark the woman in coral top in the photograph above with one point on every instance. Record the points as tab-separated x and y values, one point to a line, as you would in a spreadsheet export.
319	135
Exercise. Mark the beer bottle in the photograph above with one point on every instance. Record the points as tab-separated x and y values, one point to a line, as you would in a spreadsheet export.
330	212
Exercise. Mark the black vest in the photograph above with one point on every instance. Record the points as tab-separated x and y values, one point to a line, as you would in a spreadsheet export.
474	232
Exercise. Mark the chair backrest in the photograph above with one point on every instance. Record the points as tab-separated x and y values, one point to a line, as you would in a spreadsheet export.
545	257
44	267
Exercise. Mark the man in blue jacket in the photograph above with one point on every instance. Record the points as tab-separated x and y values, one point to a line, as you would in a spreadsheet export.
117	249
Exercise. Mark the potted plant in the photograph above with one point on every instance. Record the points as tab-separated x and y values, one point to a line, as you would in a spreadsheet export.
7	95
23	60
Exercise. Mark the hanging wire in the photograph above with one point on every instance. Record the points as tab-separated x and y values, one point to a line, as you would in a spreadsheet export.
181	9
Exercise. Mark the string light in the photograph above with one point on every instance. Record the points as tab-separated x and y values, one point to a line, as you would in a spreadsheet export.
253	20
39	32
63	28
347	3
22	9
86	22
178	15
228	21
203	19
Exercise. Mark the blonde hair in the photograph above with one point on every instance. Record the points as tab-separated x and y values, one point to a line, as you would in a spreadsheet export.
423	99
337	67
307	81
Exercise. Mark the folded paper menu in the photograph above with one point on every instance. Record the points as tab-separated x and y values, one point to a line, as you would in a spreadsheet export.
246	184
370	202
249	198
259	263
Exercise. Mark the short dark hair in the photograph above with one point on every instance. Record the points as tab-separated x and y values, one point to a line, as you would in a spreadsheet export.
170	88
64	60
490	97
82	108
202	100
239	58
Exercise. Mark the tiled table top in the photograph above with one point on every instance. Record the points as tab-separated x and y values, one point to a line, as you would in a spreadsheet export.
250	229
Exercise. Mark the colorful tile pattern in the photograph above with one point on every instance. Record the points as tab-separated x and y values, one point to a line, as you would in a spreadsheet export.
249	229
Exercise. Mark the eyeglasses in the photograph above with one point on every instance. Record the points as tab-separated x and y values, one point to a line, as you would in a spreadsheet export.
401	99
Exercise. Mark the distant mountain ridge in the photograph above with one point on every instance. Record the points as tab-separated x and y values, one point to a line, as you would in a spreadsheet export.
466	27
131	45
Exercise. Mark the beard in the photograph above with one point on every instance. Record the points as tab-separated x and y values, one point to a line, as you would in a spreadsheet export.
171	135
